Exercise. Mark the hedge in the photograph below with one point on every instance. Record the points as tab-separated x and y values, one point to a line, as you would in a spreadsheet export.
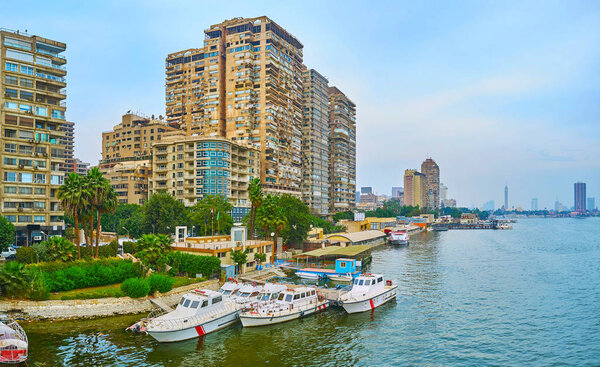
59	276
26	255
161	283
181	262
135	287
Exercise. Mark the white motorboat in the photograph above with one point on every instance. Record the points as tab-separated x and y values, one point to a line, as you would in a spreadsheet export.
230	288
341	277
307	275
247	293
368	292
398	238
13	342
270	292
290	305
198	313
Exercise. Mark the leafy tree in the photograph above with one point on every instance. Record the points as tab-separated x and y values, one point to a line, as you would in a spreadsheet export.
260	257
128	216
7	233
327	226
270	216
256	198
297	217
162	213
14	279
60	249
239	257
220	220
151	247
343	215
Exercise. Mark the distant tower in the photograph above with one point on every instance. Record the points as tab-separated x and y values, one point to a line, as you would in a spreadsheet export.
506	197
534	204
579	196
432	183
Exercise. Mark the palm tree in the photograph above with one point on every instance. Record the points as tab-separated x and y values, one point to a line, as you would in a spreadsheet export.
96	184
256	198
270	216
74	197
152	246
59	249
107	205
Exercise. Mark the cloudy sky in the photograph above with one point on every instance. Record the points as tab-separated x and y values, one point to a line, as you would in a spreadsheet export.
496	92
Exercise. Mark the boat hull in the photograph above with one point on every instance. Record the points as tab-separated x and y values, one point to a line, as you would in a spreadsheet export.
256	320
195	330
399	242
370	303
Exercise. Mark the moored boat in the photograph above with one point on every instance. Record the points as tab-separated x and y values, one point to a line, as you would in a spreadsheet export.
290	305
198	313
398	238
13	342
368	292
341	277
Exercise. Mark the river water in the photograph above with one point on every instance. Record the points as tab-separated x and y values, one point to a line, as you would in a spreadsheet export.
527	296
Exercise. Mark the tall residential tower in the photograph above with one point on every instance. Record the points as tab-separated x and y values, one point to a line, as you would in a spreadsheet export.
32	79
432	183
579	196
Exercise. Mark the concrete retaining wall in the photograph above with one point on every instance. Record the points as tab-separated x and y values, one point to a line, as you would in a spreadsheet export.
91	308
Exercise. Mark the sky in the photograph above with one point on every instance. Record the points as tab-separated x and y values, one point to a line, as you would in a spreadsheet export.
496	92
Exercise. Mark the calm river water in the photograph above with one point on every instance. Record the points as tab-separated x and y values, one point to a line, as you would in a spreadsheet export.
530	296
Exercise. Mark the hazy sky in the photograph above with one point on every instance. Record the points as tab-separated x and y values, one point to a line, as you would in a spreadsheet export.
496	92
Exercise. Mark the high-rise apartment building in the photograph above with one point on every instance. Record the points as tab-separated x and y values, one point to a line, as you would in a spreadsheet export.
315	143
80	167
579	196
506	197
32	79
534	204
342	151
414	188
68	141
443	192
489	205
127	155
396	191
245	84
189	167
591	204
432	183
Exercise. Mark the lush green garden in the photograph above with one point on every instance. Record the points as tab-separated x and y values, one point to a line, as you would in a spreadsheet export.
52	270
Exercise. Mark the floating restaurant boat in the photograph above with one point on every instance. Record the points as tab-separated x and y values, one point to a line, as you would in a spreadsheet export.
290	305
198	313
368	292
13	342
398	237
343	267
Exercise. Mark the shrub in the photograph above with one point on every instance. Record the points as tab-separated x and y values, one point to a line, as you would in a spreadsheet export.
26	255
38	291
41	251
135	287
61	249
181	263
14	279
59	276
129	247
161	283
109	250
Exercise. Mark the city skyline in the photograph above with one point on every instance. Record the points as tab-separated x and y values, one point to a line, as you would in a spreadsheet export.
526	74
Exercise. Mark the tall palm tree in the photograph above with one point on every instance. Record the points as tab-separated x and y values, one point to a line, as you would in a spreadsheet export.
74	197
256	198
96	186
107	205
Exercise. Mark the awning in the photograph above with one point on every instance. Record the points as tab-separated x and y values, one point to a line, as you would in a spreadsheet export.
337	251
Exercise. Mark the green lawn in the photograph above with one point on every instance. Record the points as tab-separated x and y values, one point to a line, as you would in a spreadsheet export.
113	290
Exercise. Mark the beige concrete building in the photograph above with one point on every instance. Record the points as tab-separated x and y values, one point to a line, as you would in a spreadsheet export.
342	151
315	143
127	155
32	111
414	188
189	167
68	141
432	183
245	84
130	180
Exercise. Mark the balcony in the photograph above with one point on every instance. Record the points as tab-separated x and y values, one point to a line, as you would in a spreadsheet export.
53	78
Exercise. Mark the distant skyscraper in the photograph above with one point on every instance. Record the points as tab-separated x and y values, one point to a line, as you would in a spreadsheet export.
357	197
534	204
366	190
506	197
396	191
557	206
579	197
443	192
489	205
414	188
432	183
591	204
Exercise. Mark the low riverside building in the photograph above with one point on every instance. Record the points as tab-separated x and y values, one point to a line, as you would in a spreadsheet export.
354	225
380	223
469	218
370	238
189	167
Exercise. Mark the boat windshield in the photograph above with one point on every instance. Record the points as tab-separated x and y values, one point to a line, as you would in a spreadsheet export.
280	298
288	298
264	297
244	294
226	292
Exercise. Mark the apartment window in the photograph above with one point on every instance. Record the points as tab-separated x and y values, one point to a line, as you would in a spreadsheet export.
9	66
28	83
25	190
40	178
10	177
10	161
12	80
28	96
11	105
25	107
24	218
41	111
26	177
11	93
40	191
56	180
24	134
10	205
39	218
26	70
39	205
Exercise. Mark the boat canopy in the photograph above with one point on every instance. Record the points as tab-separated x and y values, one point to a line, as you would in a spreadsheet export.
338	251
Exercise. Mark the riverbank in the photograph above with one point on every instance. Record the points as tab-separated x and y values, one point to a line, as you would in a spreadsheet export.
93	308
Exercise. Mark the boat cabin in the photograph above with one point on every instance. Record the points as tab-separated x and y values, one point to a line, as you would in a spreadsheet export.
344	266
271	292
247	291
196	301
298	296
230	288
367	283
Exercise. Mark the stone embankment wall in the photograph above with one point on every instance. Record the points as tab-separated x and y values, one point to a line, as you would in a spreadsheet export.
91	308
